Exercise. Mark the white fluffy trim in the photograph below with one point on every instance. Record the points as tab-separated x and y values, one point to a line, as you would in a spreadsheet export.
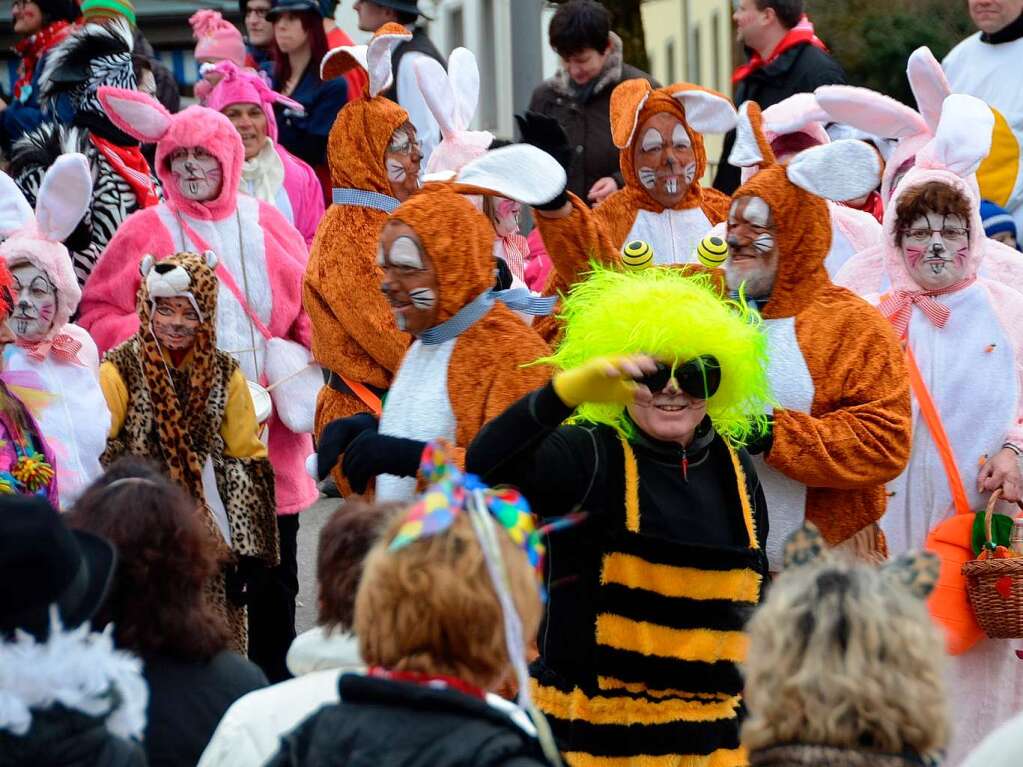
78	669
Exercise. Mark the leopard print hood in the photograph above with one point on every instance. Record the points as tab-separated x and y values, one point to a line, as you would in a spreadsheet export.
182	275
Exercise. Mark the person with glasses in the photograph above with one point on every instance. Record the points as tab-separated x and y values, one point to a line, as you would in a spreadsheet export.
963	334
41	25
659	384
259	32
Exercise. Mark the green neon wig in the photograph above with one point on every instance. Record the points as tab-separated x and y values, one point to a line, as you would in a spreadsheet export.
672	317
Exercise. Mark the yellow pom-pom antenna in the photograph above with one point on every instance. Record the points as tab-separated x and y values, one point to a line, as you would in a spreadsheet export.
712	251
637	255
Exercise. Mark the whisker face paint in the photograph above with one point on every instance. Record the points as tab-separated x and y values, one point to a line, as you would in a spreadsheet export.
422	298
35	303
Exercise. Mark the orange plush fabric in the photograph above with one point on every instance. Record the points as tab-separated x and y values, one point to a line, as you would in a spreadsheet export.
354	333
857	435
486	372
599	234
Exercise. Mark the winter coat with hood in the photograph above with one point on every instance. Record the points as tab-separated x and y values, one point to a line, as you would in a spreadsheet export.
101	715
971	365
866	110
263	254
841	428
448	388
354	335
296	190
631	213
65	358
584	113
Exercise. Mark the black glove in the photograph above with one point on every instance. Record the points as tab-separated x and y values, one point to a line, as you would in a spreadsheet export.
762	444
336	437
546	133
370	454
504	275
244	579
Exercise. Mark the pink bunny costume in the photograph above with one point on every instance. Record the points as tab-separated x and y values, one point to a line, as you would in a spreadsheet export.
883	116
65	359
260	251
971	362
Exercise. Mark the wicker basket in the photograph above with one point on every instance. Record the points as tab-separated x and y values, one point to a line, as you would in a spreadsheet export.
995	589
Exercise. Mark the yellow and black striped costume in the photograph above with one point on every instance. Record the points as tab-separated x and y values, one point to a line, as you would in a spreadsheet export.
649	597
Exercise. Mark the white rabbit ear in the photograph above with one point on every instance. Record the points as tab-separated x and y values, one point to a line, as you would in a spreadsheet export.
337	61
464	74
751	148
15	212
378	55
136	113
519	172
963	138
146	266
870	111
438	94
707	112
842	170
929	84
211	259
64	196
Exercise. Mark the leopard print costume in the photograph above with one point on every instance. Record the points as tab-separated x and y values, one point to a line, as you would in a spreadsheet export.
174	417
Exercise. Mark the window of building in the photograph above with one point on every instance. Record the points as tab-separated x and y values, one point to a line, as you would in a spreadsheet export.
669	61
715	27
695	54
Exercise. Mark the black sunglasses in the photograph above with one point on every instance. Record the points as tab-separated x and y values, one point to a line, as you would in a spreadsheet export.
699	377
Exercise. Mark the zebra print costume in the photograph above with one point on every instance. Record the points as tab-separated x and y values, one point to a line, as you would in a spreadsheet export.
92	55
113	200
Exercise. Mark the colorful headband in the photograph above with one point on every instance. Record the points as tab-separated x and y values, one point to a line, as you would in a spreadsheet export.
448	495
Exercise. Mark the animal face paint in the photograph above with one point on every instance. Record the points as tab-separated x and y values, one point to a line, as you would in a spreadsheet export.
410	282
402	160
175	323
35	303
753	251
935	248
197	173
664	159
504	215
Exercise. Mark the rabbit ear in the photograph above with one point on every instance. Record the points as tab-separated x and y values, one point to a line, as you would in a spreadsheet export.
794	114
438	94
464	74
378	55
64	196
137	114
751	146
706	112
963	138
627	100
870	111
338	61
519	172
15	212
842	170
929	85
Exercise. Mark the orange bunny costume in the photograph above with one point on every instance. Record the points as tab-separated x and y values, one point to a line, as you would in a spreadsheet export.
354	334
842	424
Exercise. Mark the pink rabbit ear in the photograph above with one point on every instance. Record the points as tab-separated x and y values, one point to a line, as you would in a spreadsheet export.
137	114
64	196
799	112
438	94
464	74
15	212
963	138
929	84
870	111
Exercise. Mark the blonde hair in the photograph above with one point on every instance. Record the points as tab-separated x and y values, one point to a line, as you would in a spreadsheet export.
431	607
842	655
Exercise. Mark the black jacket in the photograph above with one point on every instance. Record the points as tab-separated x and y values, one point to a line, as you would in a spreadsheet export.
561	468
187	700
399	724
801	69
585	116
61	737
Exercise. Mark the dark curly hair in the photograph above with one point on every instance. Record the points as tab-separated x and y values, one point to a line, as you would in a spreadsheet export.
345	540
158	601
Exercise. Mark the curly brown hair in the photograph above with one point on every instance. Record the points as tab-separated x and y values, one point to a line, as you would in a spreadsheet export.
430	607
345	540
932	197
158	601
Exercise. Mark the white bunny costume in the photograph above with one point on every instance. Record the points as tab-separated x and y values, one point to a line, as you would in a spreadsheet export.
75	420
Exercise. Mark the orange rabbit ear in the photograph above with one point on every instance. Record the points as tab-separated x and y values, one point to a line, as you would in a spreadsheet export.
340	61
751	145
627	102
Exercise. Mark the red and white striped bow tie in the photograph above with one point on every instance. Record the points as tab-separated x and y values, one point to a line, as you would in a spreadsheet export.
897	306
63	347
